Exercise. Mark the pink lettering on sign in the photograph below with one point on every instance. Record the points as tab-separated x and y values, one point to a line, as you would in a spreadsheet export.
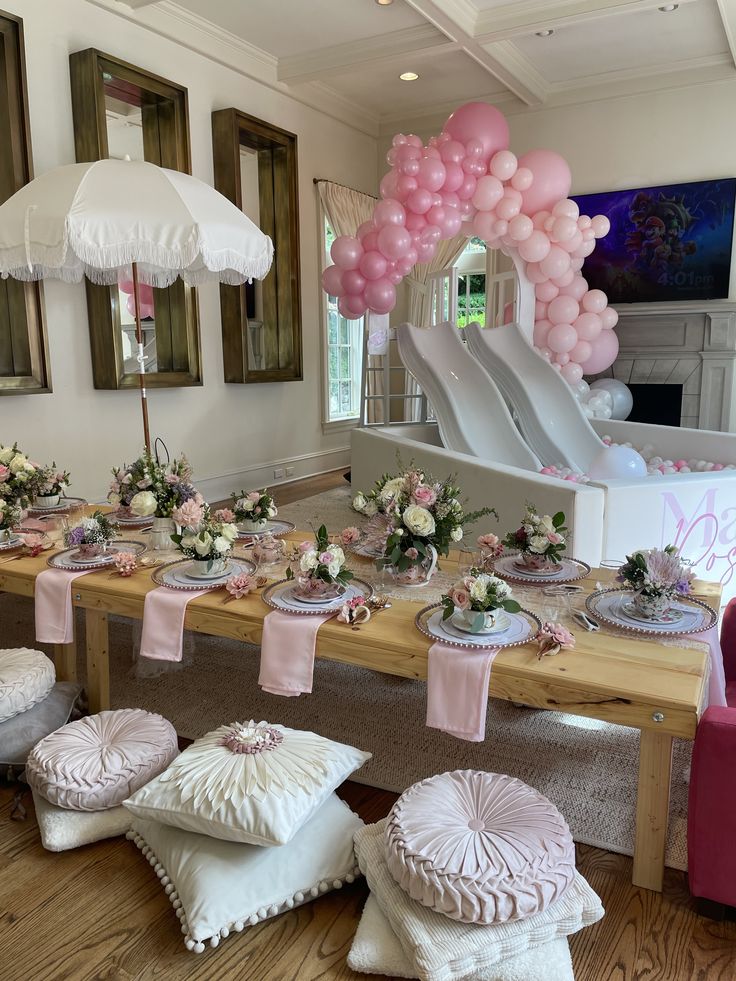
705	534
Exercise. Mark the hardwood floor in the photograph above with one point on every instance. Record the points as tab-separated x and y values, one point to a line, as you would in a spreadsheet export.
101	913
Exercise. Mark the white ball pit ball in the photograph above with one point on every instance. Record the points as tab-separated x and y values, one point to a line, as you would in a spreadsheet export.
615	462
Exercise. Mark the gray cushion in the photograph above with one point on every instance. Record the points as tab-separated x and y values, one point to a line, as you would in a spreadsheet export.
20	734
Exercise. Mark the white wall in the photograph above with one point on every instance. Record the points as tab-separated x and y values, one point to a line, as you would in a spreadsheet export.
224	429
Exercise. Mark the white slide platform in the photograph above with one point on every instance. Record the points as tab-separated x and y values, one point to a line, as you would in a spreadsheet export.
549	415
471	413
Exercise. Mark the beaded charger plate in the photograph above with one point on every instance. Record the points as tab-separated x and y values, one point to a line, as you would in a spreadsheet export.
524	627
173	575
276	528
130	520
279	596
613	607
64	505
570	570
14	541
65	559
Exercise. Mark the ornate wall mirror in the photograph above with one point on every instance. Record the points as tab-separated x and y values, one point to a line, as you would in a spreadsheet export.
122	111
24	368
256	168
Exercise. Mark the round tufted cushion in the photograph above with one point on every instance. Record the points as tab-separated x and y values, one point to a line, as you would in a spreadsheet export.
26	678
479	847
99	761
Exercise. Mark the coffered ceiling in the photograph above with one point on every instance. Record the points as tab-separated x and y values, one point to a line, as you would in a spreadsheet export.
347	55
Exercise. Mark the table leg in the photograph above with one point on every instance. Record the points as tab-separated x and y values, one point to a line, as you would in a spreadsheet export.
652	808
65	661
98	667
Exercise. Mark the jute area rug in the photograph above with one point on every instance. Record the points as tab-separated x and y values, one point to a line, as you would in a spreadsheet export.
588	768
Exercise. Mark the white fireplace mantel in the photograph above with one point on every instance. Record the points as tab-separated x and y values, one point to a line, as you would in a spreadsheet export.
692	343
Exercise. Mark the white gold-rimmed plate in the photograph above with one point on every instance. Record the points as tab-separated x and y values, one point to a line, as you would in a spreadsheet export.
276	528
279	595
570	570
65	560
524	627
130	520
65	504
14	541
502	622
173	575
610	607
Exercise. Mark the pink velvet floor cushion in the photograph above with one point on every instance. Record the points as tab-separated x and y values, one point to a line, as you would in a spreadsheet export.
99	761
479	847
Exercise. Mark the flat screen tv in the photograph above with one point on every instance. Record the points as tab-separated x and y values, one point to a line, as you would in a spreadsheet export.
671	242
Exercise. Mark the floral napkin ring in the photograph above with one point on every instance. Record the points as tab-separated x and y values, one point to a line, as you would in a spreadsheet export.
354	611
125	563
553	638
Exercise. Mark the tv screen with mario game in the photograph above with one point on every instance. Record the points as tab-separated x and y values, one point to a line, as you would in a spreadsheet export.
671	242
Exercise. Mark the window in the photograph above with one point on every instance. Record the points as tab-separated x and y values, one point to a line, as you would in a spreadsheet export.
471	284
344	353
480	287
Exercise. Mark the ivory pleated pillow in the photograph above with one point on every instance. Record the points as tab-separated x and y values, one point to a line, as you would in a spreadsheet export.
479	847
26	678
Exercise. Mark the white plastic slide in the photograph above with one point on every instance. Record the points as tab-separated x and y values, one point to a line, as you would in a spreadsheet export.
471	413
549	415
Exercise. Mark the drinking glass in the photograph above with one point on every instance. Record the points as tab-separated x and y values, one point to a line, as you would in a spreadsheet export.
468	559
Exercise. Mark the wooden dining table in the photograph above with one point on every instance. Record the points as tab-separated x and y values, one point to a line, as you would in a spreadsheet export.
656	688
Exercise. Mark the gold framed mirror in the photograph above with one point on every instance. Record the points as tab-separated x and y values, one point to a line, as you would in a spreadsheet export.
24	362
123	111
256	168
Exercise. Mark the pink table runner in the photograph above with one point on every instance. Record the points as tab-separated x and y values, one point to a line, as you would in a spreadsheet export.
163	622
54	610
457	690
717	682
287	653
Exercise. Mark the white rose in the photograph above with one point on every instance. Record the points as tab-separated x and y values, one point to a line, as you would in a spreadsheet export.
28	467
272	511
222	544
359	502
6	455
203	544
501	588
546	524
419	520
187	541
337	553
144	504
370	509
309	560
245	504
229	532
478	589
18	463
456	534
538	543
392	488
114	499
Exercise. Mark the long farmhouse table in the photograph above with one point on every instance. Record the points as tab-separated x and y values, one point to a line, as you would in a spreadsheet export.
659	690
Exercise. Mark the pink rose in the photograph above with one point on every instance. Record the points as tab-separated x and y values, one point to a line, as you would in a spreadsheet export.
487	541
256	510
349	535
188	515
4	473
325	558
225	515
239	586
144	483
305	546
411	553
171	478
557	633
253	496
460	597
424	496
554	538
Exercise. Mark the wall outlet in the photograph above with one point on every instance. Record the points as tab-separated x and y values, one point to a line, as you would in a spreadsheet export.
278	473
289	471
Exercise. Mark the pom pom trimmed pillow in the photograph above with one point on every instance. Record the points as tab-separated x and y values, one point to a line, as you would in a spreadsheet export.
250	782
96	762
26	677
479	847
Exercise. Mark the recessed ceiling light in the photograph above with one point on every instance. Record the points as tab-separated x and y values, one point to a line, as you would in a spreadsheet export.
408	76
668	8
384	3
545	33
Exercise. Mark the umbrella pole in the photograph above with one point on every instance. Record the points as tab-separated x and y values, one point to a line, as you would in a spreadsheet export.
141	358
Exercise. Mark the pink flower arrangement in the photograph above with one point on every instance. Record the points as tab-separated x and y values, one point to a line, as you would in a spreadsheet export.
239	586
490	545
4	473
36	542
188	515
349	535
125	563
554	637
425	495
225	514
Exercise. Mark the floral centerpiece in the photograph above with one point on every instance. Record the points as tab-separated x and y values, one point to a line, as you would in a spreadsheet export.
657	576
9	518
540	540
18	476
92	535
424	517
321	570
253	510
51	483
205	538
474	601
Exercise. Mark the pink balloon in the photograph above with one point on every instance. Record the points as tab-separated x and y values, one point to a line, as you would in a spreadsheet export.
410	168
332	283
520	228
373	265
584	222
419	201
414	140
394	241
431	151
436	215
364	229
352	307
552	179
585	249
503	165
388	212
588	326
546	292
562	338
595	301
415	223
450	199
563	229
488	192
353	282
453	221
500	227
454	177
581	352
541	329
479	121
573	244
432	233
474	165
605	351
425	253
534	273
404	187
474	148
407	152
576	264
370	241
566	209
601	226
556	262
577	288
546	353
540	219
483	224
508	207
125	285
540	310
561	360
387	187
572	373
452	151
399	140
588	234
609	318
566	278
508	313
563	310
346	252
522	179
431	174
535	248
392	156
467	188
381	296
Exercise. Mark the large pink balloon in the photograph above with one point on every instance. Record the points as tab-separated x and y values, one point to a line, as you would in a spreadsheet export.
562	309
373	265
552	180
389	212
333	283
353	282
482	122
562	338
605	351
394	241
555	263
381	296
346	252
535	248
588	326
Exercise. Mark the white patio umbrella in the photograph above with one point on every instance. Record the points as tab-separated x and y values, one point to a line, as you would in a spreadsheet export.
104	218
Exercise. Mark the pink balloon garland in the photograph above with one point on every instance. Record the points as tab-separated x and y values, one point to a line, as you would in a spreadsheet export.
467	178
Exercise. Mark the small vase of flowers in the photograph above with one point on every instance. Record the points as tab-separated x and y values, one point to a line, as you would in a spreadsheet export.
474	601
204	538
321	572
9	518
253	510
91	536
52	483
657	576
540	540
18	476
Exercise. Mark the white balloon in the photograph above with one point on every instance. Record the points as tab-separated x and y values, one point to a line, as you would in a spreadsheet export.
615	462
622	401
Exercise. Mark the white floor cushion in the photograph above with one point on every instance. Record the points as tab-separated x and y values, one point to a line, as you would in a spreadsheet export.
20	734
62	829
376	950
442	949
26	677
218	887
